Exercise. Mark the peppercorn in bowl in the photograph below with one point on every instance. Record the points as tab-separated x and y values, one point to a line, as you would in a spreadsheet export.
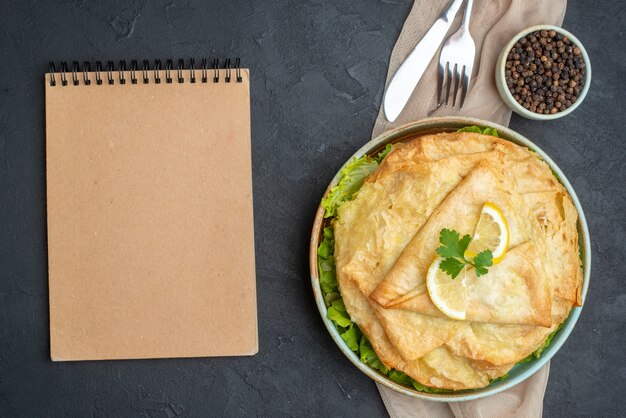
543	73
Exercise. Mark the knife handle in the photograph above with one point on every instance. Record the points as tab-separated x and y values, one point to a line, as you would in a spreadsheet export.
408	74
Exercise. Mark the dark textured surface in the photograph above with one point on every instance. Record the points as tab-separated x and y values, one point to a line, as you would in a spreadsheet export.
317	77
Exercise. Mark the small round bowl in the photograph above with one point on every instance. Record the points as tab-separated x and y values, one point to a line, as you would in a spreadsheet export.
519	372
508	97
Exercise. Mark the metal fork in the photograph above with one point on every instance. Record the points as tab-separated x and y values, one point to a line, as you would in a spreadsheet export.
458	52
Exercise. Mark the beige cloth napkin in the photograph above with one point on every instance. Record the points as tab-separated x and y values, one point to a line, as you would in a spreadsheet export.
492	24
521	401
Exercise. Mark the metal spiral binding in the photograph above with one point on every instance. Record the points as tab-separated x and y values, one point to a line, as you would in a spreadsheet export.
53	81
216	71
146	64
63	72
179	70
227	66
134	69
157	69
110	68
98	71
204	70
168	68
75	66
121	72
192	70
86	71
238	70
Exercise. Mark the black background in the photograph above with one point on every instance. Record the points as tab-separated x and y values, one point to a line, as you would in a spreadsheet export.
318	69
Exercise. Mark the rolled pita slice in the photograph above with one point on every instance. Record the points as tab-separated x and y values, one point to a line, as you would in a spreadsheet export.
441	146
440	368
557	218
415	335
505	344
455	151
460	211
514	292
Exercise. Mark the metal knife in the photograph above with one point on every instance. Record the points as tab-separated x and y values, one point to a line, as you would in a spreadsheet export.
411	70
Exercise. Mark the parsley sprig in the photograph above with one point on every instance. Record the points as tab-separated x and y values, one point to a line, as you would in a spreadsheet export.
452	250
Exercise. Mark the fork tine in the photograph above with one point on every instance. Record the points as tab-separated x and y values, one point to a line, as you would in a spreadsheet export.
441	74
448	82
457	78
465	87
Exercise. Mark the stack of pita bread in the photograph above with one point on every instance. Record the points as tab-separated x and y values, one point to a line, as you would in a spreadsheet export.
387	236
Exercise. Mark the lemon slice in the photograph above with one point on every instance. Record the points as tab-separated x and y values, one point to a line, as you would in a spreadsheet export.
449	295
491	233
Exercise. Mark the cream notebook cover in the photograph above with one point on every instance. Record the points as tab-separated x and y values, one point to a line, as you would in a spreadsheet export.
150	232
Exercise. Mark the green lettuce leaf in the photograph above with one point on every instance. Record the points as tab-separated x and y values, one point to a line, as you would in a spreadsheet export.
325	249
422	388
490	131
326	266
504	376
351	179
381	155
479	130
369	357
339	306
351	337
339	318
400	377
352	176
474	129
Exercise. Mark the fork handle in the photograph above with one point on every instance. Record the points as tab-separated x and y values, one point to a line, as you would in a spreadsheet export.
449	14
466	14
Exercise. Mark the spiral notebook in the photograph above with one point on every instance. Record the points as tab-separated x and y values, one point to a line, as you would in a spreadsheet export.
149	200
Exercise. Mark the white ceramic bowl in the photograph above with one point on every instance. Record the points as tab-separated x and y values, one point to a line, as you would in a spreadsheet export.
519	372
508	97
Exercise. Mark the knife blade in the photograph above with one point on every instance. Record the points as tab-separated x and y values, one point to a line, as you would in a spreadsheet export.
408	75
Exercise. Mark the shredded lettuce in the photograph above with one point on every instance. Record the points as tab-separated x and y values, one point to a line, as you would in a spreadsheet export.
326	266
477	129
400	377
418	386
351	337
369	356
504	376
349	331
381	155
352	176
337	313
351	180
